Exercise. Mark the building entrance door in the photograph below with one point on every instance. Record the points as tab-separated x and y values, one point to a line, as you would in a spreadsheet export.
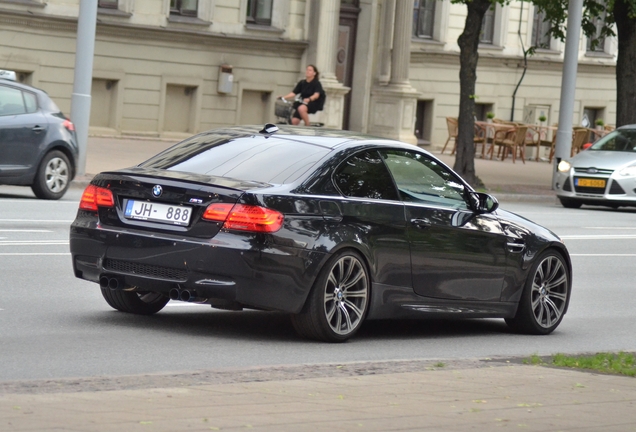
345	54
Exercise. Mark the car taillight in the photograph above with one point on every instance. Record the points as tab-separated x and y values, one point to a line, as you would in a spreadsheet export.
95	196
244	217
68	125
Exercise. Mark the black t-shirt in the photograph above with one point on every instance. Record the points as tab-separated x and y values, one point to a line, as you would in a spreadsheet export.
307	89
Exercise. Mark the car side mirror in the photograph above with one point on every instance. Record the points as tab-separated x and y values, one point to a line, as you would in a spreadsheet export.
482	202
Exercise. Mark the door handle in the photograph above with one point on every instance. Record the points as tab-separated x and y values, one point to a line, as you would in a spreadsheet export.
516	246
421	223
37	129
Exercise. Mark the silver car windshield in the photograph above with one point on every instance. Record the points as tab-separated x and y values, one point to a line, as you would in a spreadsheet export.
618	140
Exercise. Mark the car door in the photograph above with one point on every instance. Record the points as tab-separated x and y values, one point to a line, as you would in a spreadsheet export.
22	131
455	253
373	217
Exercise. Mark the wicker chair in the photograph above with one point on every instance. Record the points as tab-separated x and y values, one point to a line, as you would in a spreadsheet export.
511	141
452	125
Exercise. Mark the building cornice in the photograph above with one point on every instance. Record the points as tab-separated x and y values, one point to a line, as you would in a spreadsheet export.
543	62
147	33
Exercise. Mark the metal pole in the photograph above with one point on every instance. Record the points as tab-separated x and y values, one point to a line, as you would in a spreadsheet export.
81	98
568	85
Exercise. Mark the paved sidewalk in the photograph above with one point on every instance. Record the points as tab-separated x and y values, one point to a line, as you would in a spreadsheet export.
424	396
508	181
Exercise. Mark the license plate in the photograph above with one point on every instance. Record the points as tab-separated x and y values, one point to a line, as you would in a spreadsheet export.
595	183
156	212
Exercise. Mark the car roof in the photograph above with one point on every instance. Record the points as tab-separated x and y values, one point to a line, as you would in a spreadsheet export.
20	86
323	137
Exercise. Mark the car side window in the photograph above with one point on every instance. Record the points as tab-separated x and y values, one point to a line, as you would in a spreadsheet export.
420	179
31	102
364	175
11	101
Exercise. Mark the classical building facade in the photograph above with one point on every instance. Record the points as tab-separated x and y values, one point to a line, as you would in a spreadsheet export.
170	68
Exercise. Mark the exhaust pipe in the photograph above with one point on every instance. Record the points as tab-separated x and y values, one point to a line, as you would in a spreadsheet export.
186	296
110	282
174	294
113	283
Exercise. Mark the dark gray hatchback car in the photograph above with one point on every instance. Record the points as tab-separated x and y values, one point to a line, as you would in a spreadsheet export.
38	147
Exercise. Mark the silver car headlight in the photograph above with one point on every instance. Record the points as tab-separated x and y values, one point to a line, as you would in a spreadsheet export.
564	167
629	171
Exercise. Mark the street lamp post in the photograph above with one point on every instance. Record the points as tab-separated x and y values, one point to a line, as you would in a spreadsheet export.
568	85
81	97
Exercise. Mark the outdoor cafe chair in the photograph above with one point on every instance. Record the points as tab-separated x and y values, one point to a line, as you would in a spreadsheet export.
511	141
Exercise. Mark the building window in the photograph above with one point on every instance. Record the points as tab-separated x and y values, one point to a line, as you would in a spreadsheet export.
596	43
259	12
108	4
424	18
540	30
184	7
487	34
482	110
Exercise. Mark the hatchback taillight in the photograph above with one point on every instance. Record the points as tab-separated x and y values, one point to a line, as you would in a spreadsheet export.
95	196
244	217
68	125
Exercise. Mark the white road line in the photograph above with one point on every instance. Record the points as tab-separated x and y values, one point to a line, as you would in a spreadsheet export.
185	304
26	231
37	220
603	255
34	253
34	243
610	228
598	237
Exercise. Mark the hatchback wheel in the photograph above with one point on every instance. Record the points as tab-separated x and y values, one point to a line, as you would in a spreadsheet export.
545	297
338	302
139	303
53	177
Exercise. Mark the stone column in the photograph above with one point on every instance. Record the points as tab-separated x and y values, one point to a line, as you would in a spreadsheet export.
401	53
326	43
393	106
388	17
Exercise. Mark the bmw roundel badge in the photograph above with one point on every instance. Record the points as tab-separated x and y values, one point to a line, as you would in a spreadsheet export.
157	191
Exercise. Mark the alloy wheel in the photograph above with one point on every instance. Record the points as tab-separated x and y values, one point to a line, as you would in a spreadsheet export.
346	294
549	292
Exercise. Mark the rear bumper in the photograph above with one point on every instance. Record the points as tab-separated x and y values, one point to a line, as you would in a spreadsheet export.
242	268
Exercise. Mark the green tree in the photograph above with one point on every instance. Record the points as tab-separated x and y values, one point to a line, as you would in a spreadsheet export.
620	12
468	57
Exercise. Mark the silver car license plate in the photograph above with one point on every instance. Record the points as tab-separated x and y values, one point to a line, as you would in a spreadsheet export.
156	212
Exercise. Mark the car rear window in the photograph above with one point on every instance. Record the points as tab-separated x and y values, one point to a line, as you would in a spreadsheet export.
254	158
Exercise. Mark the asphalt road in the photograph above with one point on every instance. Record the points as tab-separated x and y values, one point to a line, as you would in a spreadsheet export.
53	325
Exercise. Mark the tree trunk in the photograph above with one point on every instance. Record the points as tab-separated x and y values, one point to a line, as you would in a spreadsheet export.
468	57
625	65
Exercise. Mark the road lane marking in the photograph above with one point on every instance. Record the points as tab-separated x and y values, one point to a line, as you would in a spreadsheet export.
34	253
602	255
599	237
185	304
610	228
32	242
37	220
27	231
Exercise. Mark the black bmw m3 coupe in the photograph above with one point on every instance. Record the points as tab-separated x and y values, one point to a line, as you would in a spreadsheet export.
331	227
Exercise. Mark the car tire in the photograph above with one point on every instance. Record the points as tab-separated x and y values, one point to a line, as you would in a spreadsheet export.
53	176
545	296
338	302
570	203
138	303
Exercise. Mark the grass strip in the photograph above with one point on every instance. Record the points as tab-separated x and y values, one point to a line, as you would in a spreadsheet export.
621	363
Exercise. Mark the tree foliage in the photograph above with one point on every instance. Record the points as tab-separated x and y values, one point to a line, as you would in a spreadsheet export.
619	14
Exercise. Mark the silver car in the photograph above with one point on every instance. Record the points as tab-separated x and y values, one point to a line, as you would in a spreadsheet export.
604	174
